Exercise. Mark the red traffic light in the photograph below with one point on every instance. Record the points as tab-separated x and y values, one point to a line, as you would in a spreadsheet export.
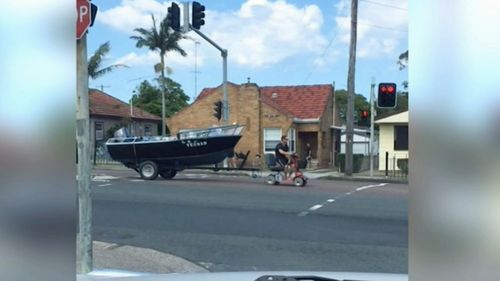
364	113
387	95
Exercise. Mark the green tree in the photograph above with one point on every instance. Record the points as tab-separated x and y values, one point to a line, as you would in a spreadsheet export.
95	61
149	97
360	103
160	39
403	60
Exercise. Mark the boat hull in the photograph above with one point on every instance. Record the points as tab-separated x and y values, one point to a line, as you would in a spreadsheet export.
177	154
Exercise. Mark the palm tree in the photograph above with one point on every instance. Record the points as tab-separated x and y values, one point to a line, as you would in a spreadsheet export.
95	61
162	40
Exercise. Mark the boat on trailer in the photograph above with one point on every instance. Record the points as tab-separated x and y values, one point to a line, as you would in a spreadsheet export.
165	156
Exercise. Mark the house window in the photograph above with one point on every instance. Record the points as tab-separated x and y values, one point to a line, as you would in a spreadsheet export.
401	137
271	138
291	139
147	130
99	131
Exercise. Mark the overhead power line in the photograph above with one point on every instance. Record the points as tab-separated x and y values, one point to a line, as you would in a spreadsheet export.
382	27
324	52
383	4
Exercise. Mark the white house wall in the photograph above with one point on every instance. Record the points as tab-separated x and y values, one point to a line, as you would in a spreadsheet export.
386	137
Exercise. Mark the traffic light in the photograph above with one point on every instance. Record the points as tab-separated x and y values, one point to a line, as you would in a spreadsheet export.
93	13
218	110
387	95
364	117
174	17
197	15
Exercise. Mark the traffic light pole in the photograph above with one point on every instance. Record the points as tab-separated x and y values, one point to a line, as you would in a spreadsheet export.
225	107
372	119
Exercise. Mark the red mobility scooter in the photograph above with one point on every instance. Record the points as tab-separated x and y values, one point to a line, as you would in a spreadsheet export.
277	175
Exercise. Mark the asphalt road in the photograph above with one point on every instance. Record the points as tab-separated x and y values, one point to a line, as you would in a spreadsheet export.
231	223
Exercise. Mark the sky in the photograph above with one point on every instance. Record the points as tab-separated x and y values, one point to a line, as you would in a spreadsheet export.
274	43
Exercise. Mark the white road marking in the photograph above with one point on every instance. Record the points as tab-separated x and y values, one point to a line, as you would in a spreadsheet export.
195	176
103	178
331	200
315	207
106	184
135	180
370	186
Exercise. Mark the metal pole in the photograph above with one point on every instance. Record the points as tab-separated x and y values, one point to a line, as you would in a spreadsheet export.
83	168
196	43
225	108
185	17
372	119
386	163
350	89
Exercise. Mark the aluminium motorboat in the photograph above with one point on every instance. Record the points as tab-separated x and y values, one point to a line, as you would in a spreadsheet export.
164	156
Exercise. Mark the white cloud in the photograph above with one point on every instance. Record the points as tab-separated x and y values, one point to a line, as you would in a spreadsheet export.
380	30
131	14
259	34
262	32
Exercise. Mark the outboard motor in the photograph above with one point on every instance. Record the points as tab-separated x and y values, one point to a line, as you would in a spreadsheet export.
122	133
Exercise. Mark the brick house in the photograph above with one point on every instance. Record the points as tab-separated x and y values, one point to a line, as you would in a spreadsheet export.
305	113
108	113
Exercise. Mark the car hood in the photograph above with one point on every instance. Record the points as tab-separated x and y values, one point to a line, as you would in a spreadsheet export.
235	276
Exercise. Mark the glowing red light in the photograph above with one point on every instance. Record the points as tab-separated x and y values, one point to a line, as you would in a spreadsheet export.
390	89
383	89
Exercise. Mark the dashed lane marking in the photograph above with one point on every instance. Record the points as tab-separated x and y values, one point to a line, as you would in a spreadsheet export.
315	207
106	184
331	200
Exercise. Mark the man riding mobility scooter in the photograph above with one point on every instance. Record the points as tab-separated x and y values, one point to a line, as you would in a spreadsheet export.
277	175
280	166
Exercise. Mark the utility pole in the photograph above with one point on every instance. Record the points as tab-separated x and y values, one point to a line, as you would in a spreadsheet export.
350	89
372	119
83	168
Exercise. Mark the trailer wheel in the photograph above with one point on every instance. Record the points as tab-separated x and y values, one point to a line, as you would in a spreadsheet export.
168	174
148	170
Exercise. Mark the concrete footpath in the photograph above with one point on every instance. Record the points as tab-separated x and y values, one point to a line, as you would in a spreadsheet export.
112	257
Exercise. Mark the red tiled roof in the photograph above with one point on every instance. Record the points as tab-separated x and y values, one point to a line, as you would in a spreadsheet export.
305	101
106	105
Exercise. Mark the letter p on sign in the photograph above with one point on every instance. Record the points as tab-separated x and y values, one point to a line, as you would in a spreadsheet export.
83	17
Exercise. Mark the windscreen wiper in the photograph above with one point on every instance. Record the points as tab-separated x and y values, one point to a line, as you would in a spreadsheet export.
293	278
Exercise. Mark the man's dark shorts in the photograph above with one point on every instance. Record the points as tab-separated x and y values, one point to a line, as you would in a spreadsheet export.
282	162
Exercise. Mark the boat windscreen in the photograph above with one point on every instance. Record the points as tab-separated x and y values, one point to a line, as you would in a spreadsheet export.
211	132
